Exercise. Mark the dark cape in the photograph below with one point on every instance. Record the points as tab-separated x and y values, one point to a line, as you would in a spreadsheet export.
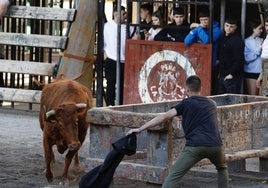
102	175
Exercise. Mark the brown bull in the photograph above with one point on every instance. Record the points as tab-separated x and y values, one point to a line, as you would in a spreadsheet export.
63	108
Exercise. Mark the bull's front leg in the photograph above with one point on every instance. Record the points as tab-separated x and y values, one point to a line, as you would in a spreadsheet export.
49	158
68	160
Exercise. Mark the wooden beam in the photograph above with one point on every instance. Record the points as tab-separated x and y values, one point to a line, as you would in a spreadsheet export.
41	13
78	58
27	67
20	95
240	155
46	41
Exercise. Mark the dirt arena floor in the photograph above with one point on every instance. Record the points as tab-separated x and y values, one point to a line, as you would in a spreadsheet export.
22	163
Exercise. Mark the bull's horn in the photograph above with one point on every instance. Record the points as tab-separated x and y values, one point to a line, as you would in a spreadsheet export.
81	105
50	113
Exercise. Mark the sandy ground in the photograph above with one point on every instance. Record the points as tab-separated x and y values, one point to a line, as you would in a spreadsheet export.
22	163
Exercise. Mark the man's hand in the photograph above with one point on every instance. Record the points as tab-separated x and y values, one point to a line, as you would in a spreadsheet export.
194	25
228	77
137	131
258	82
3	7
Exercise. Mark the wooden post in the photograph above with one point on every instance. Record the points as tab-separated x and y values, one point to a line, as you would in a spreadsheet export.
78	58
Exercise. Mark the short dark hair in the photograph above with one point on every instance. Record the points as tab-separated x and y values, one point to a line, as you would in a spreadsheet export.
178	11
203	13
148	7
231	21
193	83
122	8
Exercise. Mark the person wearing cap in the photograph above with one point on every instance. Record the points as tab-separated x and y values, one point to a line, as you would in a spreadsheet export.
231	57
200	126
200	33
177	30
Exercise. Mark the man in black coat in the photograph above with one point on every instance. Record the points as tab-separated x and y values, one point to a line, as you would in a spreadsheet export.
177	30
102	175
231	57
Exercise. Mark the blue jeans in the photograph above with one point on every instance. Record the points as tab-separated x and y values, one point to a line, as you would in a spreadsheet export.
189	157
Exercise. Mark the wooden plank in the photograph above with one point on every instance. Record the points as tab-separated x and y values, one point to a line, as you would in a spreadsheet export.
240	155
42	13
27	67
46	41
20	95
78	58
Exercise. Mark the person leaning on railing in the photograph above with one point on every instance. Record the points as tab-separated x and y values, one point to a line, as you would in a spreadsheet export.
4	4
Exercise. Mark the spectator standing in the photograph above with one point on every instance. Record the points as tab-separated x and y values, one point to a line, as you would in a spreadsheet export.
199	121
200	34
231	57
157	24
146	11
177	30
252	52
110	56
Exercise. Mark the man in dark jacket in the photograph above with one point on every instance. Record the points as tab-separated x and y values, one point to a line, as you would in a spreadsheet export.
177	30
231	56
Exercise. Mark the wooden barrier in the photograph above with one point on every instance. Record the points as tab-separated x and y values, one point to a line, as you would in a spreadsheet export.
242	121
156	70
76	61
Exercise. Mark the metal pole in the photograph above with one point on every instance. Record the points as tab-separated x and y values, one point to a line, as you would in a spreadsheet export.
118	61
211	7
223	7
100	46
243	18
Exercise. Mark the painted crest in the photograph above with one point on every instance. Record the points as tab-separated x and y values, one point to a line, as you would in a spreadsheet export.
162	77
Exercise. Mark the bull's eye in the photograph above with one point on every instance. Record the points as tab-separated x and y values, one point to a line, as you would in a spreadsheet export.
76	122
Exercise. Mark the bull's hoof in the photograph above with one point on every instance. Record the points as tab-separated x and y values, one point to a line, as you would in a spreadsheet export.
64	182
49	176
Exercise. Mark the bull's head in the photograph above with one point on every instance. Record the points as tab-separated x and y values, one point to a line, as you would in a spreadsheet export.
65	119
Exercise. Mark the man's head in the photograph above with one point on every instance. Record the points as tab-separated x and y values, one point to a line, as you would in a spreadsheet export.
178	15
193	85
230	26
115	14
204	19
146	11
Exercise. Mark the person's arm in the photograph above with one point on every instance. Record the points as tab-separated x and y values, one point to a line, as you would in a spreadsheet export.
217	32
4	4
250	52
192	37
155	121
163	35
